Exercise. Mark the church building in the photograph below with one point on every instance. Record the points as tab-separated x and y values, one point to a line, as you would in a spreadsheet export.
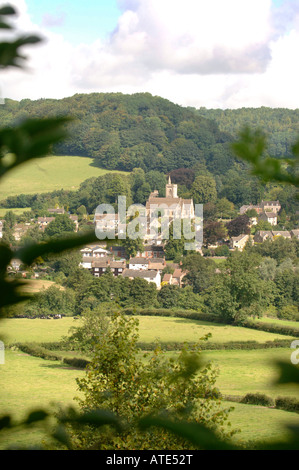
169	207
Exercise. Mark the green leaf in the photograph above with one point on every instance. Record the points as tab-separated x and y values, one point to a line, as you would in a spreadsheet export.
5	422
35	416
289	373
7	10
97	418
62	436
29	253
197	434
9	51
32	139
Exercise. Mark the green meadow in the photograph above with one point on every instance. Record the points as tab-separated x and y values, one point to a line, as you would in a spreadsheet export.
28	382
49	174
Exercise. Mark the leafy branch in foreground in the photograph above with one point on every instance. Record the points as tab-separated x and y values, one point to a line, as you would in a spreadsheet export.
252	146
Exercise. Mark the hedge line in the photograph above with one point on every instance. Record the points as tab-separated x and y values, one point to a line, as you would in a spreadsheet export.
272	328
280	403
37	350
208	346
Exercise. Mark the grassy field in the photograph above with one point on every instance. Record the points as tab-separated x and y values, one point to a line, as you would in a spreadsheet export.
180	330
151	329
240	372
48	174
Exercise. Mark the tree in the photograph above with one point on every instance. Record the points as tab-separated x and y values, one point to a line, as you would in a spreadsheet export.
238	226
240	291
118	380
214	232
132	246
59	226
200	272
168	296
203	190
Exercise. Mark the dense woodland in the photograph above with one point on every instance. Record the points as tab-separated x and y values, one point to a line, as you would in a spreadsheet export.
126	132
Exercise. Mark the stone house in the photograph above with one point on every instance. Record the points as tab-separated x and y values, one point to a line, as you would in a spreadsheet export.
239	242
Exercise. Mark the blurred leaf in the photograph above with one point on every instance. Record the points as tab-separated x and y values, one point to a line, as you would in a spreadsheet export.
29	253
32	139
35	416
7	10
289	373
197	434
251	147
5	422
62	436
9	51
95	418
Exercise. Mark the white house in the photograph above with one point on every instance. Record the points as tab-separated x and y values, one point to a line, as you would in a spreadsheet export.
239	242
148	275
270	217
138	263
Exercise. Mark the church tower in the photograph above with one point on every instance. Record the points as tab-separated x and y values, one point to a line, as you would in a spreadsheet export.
171	189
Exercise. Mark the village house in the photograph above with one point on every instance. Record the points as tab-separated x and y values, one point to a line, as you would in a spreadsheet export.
177	277
270	217
152	251
100	266
295	233
262	235
157	264
57	210
43	222
167	278
106	222
148	275
74	218
239	242
20	230
92	253
264	206
270	206
281	233
139	263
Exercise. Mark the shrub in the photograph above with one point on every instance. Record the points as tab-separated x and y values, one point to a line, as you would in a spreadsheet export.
288	312
287	404
76	362
36	350
257	399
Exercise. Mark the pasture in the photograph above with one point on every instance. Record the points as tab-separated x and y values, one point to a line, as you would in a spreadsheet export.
49	174
29	381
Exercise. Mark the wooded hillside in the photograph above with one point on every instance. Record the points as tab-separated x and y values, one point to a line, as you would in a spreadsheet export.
122	132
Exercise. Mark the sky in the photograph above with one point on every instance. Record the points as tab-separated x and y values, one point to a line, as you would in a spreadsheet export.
200	53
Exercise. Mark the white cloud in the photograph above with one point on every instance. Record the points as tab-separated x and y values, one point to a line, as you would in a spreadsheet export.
212	53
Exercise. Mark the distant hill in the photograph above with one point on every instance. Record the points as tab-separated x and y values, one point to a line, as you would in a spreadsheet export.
122	132
281	125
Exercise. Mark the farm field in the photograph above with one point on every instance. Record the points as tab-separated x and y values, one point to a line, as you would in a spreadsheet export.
240	371
151	329
49	174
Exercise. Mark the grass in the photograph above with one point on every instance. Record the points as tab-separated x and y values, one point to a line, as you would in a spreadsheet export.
31	286
278	321
151	329
49	174
258	423
180	330
240	371
28	383
41	331
15	210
